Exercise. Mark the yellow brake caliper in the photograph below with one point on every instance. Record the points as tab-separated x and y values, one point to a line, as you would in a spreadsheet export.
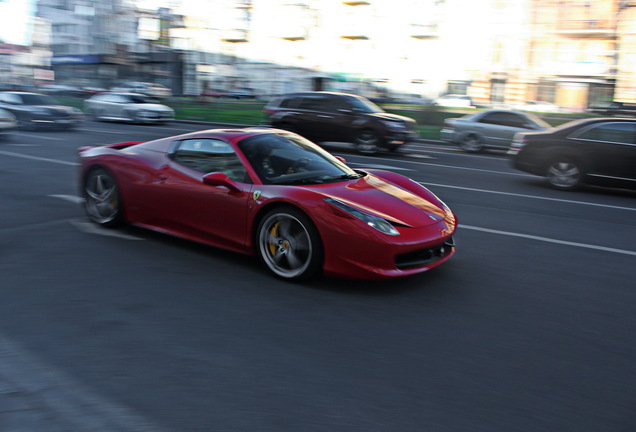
273	233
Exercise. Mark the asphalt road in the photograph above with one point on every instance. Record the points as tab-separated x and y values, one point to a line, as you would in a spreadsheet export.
530	327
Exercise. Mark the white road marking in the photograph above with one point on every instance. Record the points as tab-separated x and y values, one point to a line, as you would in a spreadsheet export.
23	156
70	198
529	196
41	137
549	240
48	393
25	145
420	156
91	228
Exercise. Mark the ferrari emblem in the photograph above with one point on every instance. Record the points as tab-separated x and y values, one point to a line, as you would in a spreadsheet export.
256	195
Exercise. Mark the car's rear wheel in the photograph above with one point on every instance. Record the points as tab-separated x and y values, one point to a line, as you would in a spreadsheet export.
367	142
289	244
564	173
102	200
471	143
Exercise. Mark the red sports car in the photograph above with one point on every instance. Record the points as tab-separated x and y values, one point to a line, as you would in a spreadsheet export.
274	194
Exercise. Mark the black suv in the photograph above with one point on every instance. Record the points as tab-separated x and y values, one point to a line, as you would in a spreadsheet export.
340	117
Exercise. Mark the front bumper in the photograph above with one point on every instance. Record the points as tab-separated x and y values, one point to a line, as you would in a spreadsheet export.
7	127
447	135
394	139
364	255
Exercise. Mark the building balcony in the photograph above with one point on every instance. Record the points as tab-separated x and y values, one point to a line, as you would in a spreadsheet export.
235	36
354	36
583	28
424	31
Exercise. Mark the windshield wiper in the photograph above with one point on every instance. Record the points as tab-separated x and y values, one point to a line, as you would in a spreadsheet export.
343	177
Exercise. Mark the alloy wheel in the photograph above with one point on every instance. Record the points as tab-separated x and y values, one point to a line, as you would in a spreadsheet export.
288	244
564	174
102	201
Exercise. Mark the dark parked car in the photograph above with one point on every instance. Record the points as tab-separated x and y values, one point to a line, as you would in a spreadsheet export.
340	117
489	129
591	151
613	108
33	110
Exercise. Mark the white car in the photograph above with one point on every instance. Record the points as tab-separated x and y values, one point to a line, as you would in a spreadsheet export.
149	89
538	106
8	123
454	100
131	107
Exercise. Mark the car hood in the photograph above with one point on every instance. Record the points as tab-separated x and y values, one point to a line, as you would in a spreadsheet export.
391	117
379	197
153	107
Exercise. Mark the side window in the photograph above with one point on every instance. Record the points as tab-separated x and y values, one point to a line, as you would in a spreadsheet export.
612	132
504	119
291	102
514	120
493	118
313	103
210	155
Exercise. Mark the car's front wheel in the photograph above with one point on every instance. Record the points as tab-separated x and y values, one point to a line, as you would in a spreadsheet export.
471	143
26	123
102	200
289	245
564	173
367	142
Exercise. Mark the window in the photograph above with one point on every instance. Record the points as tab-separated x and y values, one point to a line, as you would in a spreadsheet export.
611	132
210	155
314	103
505	119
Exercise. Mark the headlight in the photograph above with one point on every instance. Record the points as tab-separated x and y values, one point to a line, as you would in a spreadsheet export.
378	223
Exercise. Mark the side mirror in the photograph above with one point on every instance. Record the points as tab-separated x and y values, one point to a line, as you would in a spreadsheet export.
220	179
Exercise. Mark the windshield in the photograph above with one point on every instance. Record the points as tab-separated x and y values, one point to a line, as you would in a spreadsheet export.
37	99
142	99
285	158
365	106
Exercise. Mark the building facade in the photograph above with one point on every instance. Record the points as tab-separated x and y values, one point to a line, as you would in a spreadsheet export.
569	52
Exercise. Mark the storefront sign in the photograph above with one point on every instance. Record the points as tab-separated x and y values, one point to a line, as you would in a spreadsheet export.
75	59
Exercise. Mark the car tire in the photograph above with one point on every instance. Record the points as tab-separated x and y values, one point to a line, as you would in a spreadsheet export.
564	173
93	115
289	245
367	142
471	143
134	117
26	124
102	200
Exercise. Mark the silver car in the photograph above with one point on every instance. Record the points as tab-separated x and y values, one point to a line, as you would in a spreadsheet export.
131	107
8	123
489	129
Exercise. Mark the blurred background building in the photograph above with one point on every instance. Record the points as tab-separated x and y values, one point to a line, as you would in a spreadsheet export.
568	52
